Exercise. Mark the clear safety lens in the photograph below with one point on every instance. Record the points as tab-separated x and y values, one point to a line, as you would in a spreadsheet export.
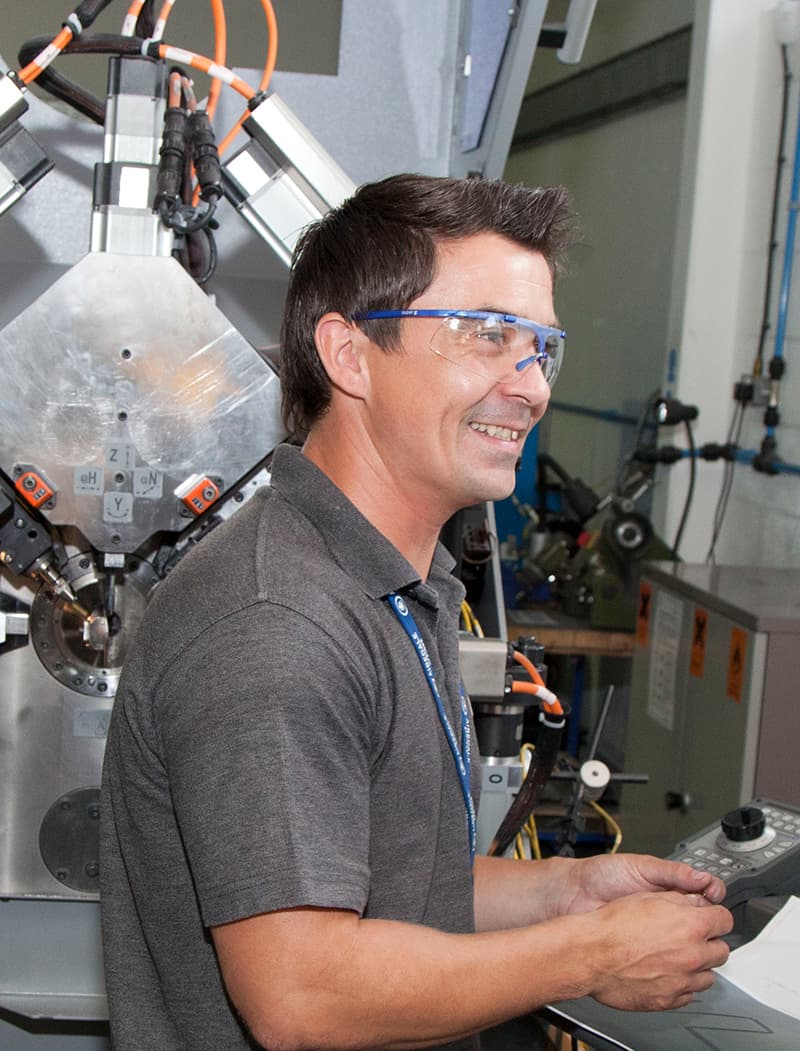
497	349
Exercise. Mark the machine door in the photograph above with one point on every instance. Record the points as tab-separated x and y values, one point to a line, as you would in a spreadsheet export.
697	684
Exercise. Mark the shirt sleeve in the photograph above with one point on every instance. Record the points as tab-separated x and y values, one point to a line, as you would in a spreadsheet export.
266	725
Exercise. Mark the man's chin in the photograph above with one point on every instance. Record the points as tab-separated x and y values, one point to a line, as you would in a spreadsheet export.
497	488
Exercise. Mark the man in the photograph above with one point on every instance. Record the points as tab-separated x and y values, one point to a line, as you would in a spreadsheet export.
286	839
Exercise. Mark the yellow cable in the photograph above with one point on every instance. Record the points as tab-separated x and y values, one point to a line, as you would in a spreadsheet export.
473	624
525	757
611	823
528	830
533	836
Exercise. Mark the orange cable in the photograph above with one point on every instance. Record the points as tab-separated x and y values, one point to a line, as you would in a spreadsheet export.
525	687
174	97
554	707
161	21
45	57
188	93
129	25
220	54
207	65
529	667
551	707
269	69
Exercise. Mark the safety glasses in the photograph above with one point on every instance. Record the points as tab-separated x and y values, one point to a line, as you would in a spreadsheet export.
498	347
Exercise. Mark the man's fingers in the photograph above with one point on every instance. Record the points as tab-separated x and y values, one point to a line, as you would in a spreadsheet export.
720	919
720	952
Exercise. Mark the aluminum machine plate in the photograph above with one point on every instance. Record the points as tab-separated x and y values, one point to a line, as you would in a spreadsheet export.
120	383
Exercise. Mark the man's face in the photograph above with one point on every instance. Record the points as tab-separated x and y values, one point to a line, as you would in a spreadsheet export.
449	436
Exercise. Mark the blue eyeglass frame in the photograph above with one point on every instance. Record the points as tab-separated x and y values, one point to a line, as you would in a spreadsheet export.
542	331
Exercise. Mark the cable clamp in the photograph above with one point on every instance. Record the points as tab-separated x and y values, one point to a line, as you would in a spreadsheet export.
545	695
74	24
257	99
555	722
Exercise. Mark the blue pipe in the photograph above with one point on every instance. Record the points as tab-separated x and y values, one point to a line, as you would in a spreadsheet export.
788	253
609	415
788	256
746	456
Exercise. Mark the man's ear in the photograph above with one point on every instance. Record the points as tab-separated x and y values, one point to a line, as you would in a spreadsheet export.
341	345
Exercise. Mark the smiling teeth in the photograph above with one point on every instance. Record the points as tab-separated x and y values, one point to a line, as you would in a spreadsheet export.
496	432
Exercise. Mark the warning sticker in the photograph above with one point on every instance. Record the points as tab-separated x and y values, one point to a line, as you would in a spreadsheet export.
736	661
643	613
697	658
662	698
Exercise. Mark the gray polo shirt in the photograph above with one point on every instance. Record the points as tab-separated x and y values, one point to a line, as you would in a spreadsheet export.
274	743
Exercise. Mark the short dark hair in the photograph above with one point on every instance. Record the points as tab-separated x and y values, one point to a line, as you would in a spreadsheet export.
378	251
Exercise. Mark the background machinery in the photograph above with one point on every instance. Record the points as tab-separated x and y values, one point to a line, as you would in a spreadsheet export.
139	401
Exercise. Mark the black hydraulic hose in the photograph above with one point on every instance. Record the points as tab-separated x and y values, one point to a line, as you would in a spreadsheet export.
104	44
734	436
689	492
542	762
547	461
758	365
146	22
202	251
61	87
88	10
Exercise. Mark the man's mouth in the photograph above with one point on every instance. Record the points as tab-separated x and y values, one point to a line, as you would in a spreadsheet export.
507	434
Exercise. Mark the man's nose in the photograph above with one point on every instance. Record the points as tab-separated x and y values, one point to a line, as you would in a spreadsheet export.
530	384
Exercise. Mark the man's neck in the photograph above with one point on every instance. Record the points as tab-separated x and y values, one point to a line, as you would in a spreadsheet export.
412	529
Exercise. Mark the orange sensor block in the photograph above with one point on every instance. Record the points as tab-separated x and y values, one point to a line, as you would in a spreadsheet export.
33	489
198	493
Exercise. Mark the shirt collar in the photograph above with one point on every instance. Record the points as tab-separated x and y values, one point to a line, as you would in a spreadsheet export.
362	550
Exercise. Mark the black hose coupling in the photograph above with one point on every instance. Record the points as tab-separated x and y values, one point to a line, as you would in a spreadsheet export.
777	367
767	461
712	451
772	416
670	411
205	155
172	158
744	391
666	454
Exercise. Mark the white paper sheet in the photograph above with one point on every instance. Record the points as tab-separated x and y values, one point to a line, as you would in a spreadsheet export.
766	968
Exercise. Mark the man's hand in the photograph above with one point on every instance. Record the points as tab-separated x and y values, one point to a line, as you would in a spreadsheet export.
516	893
596	881
660	949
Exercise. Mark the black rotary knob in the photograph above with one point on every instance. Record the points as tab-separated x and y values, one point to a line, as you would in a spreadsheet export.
744	823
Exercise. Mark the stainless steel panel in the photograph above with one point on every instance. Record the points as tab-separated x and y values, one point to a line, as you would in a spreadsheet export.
710	733
120	382
483	667
51	744
51	946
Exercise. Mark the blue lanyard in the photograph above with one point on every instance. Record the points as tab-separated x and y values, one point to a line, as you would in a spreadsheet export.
461	756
